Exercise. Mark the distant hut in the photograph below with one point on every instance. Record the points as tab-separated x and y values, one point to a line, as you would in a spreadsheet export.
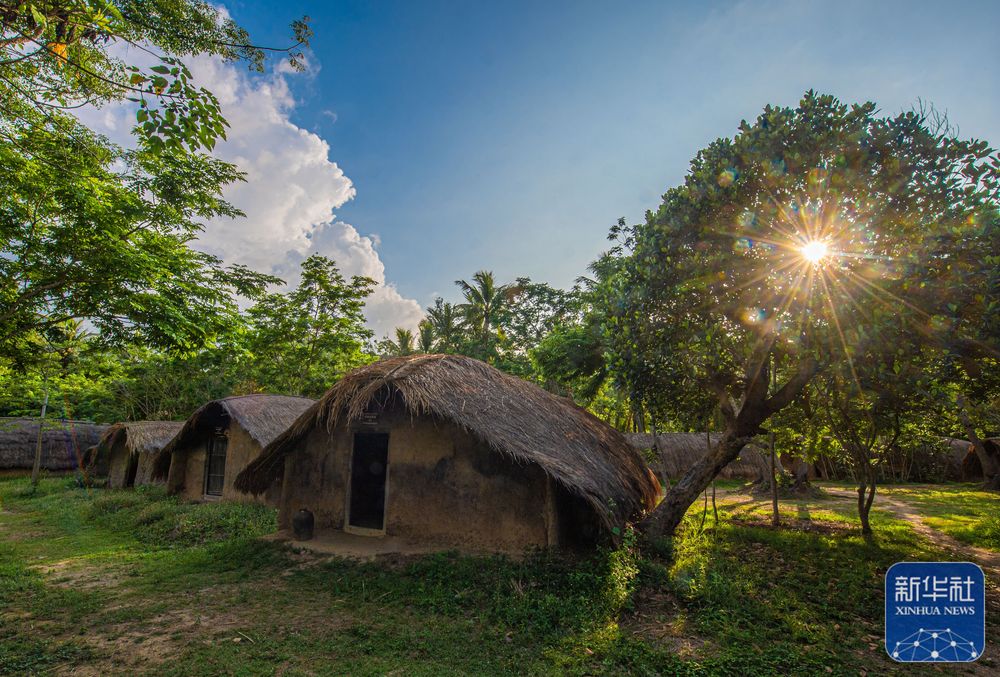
130	448
219	439
64	443
674	453
963	464
446	451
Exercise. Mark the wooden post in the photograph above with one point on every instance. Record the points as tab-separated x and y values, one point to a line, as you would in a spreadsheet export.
36	467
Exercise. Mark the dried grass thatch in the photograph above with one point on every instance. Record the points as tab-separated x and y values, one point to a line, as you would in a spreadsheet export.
514	417
674	453
146	437
61	441
263	417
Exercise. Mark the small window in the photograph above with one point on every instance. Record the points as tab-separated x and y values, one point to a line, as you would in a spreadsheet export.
215	465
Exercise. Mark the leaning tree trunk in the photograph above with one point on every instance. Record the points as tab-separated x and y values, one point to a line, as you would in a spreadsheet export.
668	515
740	428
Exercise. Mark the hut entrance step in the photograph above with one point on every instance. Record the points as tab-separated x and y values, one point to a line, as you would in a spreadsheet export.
369	470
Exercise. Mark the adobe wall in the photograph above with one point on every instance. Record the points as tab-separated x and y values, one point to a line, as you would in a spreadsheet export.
144	471
117	466
444	487
189	479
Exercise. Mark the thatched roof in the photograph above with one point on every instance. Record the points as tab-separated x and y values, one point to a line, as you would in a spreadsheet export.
146	437
678	451
61	440
263	417
514	417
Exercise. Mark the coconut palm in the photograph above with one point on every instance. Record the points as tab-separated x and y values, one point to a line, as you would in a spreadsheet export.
444	318
425	343
485	302
403	345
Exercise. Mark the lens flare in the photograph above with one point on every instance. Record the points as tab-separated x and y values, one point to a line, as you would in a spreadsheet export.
814	251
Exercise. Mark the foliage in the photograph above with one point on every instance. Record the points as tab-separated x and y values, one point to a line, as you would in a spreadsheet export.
444	320
302	340
402	345
61	54
482	313
716	292
90	231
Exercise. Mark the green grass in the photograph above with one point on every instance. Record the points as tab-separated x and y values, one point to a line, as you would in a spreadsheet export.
962	511
138	582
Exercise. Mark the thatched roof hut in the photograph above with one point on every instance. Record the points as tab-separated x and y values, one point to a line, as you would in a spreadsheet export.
62	440
130	447
676	452
217	441
456	430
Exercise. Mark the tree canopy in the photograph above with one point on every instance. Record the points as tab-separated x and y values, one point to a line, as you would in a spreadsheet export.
808	223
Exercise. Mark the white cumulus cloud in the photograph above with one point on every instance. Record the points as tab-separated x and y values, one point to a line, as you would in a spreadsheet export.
291	192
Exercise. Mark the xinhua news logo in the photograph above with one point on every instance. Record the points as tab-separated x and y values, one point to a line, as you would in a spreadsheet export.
935	612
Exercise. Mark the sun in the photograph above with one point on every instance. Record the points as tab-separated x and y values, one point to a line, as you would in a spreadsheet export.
814	251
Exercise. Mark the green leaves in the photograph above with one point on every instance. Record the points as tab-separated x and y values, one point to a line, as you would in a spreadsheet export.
72	59
91	231
716	269
301	341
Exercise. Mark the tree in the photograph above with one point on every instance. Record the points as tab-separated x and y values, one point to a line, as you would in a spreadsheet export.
304	339
778	238
879	399
444	319
427	340
403	345
961	305
61	54
482	311
89	231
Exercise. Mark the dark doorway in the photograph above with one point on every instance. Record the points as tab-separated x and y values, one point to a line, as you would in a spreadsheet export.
130	470
215	465
368	473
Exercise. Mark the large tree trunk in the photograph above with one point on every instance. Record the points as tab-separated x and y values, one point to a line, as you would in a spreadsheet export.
741	427
668	515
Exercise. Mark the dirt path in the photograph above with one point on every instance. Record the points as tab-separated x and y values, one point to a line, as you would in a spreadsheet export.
987	559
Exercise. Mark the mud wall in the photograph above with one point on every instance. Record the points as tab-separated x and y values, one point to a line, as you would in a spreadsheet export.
444	487
117	466
188	477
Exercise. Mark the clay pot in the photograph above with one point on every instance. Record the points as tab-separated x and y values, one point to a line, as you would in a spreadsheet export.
302	525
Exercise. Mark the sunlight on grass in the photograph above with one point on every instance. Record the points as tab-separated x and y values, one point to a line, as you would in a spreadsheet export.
804	600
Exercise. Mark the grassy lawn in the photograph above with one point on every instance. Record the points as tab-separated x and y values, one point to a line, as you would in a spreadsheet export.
962	511
105	581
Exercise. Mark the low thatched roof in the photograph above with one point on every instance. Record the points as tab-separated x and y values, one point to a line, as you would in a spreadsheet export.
263	417
514	417
146	437
676	453
61	439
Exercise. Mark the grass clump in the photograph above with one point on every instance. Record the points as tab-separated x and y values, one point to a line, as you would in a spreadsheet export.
154	518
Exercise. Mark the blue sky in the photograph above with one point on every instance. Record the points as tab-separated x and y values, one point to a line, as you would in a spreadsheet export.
511	135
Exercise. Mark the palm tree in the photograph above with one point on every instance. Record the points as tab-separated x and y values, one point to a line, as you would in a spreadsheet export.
426	341
485	302
444	318
403	345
